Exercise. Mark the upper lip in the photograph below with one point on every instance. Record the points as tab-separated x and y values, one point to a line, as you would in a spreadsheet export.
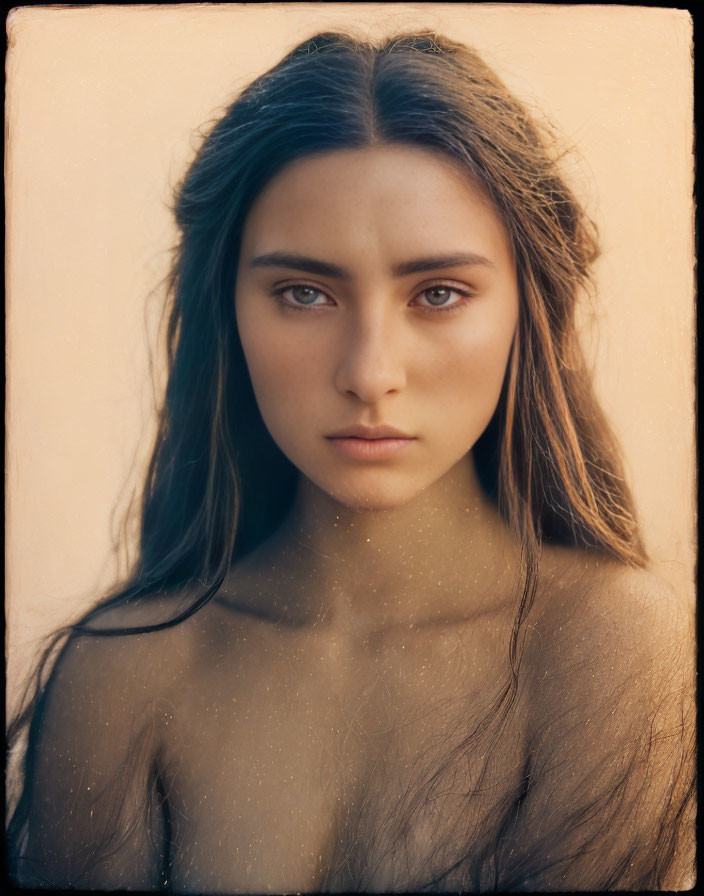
358	431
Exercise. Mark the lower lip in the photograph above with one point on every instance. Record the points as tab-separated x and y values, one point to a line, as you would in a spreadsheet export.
370	449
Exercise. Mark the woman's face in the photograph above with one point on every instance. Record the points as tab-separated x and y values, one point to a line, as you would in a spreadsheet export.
376	301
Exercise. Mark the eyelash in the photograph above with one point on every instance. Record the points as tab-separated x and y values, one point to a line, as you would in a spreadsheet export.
279	294
464	293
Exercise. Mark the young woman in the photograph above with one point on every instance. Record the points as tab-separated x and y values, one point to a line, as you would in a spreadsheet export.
390	627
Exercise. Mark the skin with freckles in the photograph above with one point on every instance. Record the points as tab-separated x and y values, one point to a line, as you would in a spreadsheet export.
377	296
376	288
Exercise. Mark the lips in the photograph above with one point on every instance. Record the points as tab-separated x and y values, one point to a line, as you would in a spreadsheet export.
370	443
370	433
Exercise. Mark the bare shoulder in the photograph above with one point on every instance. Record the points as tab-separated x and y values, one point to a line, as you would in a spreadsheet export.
118	662
613	644
611	658
112	659
624	625
94	753
128	665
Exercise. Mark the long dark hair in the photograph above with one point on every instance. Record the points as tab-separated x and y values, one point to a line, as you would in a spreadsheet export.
217	485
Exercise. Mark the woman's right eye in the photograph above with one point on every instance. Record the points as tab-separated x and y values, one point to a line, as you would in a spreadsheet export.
301	296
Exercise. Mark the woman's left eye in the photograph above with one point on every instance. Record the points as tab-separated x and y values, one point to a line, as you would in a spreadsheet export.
441	296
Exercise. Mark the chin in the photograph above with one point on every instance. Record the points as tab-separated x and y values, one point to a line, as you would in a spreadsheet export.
372	498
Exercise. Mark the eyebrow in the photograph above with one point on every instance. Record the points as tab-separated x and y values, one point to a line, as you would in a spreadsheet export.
326	269
435	262
299	263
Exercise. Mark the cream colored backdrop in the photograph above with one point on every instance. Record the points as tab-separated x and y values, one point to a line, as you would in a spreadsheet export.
104	106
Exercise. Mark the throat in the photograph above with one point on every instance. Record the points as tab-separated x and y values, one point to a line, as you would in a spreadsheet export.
445	554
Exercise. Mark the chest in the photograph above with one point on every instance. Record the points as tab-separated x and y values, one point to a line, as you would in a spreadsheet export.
317	775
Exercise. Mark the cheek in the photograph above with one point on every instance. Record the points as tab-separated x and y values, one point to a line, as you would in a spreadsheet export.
473	374
283	370
471	364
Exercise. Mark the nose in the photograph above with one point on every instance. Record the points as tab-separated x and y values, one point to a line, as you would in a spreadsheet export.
371	360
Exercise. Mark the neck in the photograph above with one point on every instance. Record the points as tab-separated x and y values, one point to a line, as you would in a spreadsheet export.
445	553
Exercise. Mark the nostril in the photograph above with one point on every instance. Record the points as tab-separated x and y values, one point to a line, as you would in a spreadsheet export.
369	381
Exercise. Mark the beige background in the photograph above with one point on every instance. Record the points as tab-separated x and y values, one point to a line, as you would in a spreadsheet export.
104	106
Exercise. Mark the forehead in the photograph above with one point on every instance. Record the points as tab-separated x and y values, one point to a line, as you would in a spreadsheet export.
390	200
